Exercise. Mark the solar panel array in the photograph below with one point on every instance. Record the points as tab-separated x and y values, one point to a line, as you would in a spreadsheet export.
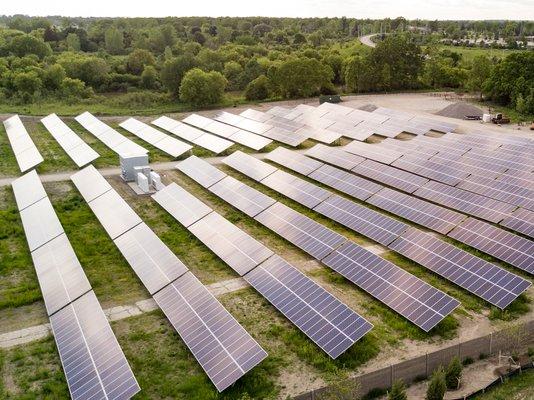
80	152
92	360
109	136
281	134
324	319
430	215
156	138
248	139
386	230
196	136
320	242
372	152
26	153
207	329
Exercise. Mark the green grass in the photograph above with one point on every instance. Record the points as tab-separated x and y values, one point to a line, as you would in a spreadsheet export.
469	53
518	387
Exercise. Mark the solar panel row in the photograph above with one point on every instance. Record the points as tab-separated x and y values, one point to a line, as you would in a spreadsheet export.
26	153
158	139
196	136
80	152
110	137
319	242
328	322
415	210
232	133
207	329
93	362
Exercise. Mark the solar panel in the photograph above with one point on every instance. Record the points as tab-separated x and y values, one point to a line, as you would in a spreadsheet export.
250	139
149	257
26	153
40	223
297	189
256	115
235	247
249	165
497	242
373	152
334	156
278	111
301	231
28	189
110	137
114	213
293	160
319	134
462	200
405	181
182	205
502	191
416	210
241	196
378	227
194	135
200	171
409	296
329	323
92	359
158	139
243	123
493	284
521	220
80	152
59	273
345	182
222	347
90	183
429	169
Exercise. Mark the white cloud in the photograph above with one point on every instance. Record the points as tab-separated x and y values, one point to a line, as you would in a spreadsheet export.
427	9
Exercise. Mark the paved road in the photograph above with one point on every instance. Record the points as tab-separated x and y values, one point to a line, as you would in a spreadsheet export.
366	40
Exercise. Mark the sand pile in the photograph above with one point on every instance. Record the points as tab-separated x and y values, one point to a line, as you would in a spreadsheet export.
368	107
459	110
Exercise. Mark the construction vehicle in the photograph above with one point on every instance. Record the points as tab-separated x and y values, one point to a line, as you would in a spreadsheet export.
500	119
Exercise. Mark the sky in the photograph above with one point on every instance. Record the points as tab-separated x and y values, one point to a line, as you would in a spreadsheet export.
411	9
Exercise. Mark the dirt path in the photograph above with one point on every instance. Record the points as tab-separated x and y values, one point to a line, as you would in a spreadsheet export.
366	40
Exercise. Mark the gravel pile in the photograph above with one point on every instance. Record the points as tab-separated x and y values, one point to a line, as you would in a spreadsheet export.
368	107
460	110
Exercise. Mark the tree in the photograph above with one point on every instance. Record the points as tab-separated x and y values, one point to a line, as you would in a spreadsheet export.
53	77
232	72
437	386
28	85
359	74
114	41
201	88
258	89
23	45
453	374
73	88
302	77
173	72
138	59
73	42
89	69
398	391
479	73
149	77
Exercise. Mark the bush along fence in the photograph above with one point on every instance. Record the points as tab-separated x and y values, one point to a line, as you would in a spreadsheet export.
511	340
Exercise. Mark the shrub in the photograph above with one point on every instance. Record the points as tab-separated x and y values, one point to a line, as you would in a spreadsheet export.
201	88
398	391
258	89
74	88
453	373
28	85
437	386
149	77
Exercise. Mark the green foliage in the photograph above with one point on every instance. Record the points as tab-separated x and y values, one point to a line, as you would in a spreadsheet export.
437	385
74	88
453	373
28	85
258	89
138	59
93	71
23	45
398	391
53	76
73	42
302	77
201	88
478	74
173	72
114	41
149	77
341	388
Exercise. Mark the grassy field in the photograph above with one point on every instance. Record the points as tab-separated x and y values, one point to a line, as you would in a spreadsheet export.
469	53
519	387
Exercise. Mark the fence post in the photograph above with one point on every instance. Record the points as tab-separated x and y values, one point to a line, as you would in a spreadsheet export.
426	364
391	376
491	344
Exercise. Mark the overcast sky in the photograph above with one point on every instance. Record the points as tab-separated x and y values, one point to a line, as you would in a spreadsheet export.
424	9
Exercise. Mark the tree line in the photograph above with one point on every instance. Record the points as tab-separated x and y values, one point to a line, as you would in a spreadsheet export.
197	60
